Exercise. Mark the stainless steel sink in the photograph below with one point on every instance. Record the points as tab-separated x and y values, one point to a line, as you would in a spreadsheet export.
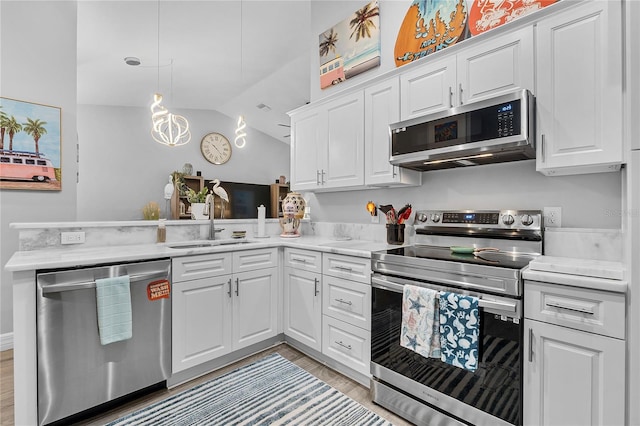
206	243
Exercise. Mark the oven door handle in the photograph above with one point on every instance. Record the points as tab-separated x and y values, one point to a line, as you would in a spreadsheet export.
482	302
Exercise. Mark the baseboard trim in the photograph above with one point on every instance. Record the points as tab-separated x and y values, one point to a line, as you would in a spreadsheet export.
6	341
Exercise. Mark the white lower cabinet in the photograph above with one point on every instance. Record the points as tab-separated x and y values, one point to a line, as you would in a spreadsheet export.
574	365
347	344
216	310
303	307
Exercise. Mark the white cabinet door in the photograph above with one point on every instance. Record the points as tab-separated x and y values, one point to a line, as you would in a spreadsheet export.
255	315
499	65
201	325
343	160
572	377
381	108
308	130
579	89
428	89
303	307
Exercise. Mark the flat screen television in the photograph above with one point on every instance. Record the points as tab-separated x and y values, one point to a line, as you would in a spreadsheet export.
244	199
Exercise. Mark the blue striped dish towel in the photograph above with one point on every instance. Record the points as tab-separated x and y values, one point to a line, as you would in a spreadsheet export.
459	330
113	297
420	329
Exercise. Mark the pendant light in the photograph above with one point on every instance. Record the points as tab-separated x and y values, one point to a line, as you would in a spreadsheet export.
241	136
167	128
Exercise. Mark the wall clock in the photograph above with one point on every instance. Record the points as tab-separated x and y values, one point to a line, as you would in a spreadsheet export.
215	148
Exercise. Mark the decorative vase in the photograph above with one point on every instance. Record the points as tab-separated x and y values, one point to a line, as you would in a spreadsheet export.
297	204
199	211
187	169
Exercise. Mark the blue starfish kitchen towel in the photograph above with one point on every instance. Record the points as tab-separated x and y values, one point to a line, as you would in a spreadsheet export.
459	330
420	329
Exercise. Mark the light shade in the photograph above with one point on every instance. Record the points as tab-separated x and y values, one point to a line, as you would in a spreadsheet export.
240	140
168	129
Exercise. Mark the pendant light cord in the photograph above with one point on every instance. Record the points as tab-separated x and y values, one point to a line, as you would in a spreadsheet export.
158	88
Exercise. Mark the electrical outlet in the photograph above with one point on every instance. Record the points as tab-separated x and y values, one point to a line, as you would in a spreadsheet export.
375	219
72	237
552	217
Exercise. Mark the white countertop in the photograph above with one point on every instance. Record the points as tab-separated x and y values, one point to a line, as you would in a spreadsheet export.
586	273
79	256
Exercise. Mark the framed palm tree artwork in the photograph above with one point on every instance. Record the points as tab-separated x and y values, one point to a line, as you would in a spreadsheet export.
30	146
350	47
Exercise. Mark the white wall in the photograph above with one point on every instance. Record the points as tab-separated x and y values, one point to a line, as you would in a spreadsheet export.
122	167
592	201
38	58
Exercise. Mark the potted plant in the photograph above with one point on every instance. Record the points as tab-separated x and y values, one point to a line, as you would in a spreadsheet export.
197	201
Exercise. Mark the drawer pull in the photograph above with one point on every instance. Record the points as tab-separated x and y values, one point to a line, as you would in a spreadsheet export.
229	292
344	268
569	307
315	287
343	345
295	259
346	302
530	345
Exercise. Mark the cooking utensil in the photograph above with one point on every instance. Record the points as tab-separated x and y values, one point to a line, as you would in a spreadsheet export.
469	250
405	214
385	209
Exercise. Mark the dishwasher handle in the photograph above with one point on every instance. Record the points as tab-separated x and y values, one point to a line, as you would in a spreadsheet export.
92	284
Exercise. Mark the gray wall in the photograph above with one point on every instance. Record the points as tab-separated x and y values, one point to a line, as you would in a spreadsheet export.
38	60
122	168
587	200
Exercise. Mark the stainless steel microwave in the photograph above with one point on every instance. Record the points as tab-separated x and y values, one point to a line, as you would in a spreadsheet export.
495	130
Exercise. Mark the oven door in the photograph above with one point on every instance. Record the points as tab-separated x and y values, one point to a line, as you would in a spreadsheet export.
491	395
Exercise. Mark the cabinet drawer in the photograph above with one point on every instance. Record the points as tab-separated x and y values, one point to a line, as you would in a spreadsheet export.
347	344
590	310
201	266
250	260
347	301
308	260
348	267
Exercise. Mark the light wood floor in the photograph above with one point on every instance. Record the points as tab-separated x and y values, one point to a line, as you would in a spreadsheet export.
345	385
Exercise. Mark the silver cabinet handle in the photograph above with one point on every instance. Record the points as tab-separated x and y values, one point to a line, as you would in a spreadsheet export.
322	180
530	345
569	307
229	292
343	268
460	93
318	177
315	287
237	286
295	259
450	97
542	142
343	345
346	302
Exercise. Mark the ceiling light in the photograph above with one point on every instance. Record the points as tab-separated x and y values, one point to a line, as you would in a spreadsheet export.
167	128
132	60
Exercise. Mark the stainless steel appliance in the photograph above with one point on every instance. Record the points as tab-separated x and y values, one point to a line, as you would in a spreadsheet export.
76	372
495	130
428	391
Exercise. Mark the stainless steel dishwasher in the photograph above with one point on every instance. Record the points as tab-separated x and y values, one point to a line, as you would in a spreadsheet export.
76	372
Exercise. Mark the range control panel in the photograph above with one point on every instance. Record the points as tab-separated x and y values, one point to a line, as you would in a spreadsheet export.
502	219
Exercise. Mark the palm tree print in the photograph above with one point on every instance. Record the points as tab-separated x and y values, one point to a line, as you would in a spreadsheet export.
3	127
363	21
13	127
329	43
36	129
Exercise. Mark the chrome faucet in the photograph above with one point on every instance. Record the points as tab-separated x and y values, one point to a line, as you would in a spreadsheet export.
208	205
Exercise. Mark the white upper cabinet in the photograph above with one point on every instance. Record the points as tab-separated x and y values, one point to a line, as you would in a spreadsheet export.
496	66
381	108
500	65
327	145
579	90
428	89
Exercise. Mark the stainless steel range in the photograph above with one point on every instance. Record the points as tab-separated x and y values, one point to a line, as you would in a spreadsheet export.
476	253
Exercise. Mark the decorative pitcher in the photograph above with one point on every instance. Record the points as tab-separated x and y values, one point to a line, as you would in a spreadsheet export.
293	206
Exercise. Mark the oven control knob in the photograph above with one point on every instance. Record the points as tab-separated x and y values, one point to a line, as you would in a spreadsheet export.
421	217
435	218
526	219
507	219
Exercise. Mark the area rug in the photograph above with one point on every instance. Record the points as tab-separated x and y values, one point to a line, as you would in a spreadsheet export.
271	391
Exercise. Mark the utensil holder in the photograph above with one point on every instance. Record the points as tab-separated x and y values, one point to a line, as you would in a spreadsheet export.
395	233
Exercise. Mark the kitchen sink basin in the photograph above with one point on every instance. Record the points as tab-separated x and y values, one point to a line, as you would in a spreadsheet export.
206	243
